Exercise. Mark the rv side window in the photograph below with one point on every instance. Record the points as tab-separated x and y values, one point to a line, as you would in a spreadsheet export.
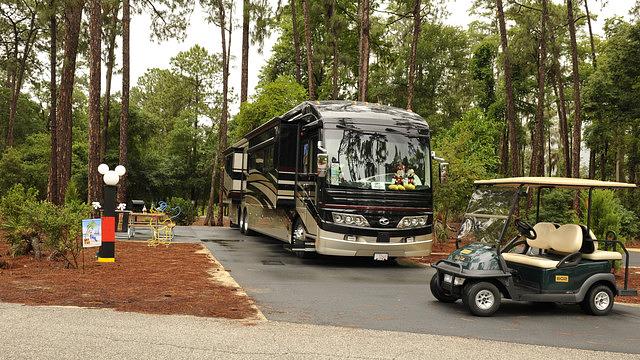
228	166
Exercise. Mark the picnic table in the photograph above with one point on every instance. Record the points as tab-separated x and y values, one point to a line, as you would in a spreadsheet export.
151	220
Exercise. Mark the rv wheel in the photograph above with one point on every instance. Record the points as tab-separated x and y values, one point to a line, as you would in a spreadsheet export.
298	238
599	301
244	226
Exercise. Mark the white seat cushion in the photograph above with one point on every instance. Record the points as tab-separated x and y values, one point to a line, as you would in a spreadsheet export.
603	255
543	232
567	239
530	260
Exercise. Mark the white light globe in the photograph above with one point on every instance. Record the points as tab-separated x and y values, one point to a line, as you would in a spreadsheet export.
111	178
103	168
120	170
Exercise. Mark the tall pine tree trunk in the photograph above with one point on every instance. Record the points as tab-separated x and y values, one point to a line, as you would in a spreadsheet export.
334	44
64	122
577	112
222	144
124	110
537	153
592	152
296	40
364	9
52	183
244	78
107	95
94	189
514	151
309	48
18	74
414	49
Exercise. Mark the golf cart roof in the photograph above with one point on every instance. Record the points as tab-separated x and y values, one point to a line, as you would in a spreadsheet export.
554	182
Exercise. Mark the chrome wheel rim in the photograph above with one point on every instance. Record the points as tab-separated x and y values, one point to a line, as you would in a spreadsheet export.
601	300
485	299
298	233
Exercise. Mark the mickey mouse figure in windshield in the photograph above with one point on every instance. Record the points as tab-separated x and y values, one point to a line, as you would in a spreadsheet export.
404	179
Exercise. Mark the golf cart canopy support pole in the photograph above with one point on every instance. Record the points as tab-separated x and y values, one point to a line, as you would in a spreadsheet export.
538	205
514	205
589	209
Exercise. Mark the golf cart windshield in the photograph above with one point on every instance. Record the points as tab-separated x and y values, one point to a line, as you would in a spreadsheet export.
486	215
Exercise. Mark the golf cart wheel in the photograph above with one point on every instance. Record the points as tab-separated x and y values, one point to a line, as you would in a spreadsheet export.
438	292
599	301
298	238
481	298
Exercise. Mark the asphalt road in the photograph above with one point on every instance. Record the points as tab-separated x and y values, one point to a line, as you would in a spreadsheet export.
364	294
47	332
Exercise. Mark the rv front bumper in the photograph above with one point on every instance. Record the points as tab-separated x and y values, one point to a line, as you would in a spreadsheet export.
330	243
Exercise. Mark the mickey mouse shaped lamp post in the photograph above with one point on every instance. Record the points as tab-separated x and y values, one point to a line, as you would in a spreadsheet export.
107	252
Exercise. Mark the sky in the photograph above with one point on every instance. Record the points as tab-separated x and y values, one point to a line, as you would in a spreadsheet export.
146	54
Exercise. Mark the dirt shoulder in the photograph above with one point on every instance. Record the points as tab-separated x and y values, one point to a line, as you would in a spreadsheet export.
178	279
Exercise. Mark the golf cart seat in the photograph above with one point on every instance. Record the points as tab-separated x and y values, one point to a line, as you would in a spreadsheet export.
590	250
564	240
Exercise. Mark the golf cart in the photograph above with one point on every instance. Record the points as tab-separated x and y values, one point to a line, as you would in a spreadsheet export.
544	263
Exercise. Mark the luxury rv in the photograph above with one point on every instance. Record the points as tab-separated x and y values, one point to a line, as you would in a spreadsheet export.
335	178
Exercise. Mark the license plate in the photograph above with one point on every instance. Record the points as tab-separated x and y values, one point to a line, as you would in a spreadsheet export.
381	257
448	278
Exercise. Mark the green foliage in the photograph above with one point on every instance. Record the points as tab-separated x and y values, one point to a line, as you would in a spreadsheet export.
187	214
272	99
35	226
607	213
27	164
556	206
470	149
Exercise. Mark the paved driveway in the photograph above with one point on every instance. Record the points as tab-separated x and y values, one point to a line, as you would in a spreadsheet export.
363	294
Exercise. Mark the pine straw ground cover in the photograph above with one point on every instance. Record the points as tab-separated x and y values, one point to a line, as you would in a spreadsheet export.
442	250
178	279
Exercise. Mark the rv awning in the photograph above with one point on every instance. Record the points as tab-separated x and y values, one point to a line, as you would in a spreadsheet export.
554	182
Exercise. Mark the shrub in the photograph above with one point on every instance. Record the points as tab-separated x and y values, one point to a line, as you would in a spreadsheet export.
187	214
607	213
35	226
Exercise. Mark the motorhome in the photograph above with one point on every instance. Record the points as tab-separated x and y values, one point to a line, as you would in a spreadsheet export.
337	178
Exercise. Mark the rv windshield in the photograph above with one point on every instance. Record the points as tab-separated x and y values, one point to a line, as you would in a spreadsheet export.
378	160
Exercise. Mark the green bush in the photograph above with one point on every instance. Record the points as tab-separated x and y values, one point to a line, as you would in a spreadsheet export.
35	227
607	213
470	149
556	206
187	214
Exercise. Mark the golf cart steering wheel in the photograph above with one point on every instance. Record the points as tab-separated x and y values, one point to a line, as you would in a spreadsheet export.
525	229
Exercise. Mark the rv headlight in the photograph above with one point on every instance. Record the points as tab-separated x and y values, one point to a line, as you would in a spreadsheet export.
349	219
337	218
412	222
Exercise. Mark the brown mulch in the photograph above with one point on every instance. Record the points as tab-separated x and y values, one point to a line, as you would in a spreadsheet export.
439	251
634	283
159	280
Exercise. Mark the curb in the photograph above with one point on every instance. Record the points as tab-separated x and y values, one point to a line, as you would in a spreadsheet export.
224	277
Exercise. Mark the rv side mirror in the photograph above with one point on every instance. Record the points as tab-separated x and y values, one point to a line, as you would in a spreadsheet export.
321	146
322	159
444	167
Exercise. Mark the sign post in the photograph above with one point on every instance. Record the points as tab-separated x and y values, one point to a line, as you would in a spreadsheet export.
107	252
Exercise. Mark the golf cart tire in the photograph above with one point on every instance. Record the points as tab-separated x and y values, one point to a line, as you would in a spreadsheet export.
491	301
589	305
438	292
